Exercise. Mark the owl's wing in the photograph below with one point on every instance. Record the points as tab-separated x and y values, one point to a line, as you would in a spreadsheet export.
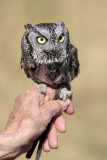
74	62
24	66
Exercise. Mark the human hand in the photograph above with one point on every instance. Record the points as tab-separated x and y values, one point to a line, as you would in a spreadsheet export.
29	119
59	124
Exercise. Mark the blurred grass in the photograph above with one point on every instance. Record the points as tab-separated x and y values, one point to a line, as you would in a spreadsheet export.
86	137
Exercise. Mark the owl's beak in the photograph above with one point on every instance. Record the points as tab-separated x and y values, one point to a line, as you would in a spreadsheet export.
53	49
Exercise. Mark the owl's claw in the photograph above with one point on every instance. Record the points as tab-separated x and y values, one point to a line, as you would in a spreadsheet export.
41	87
64	94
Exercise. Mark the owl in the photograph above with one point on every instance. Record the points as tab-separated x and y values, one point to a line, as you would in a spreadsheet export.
49	58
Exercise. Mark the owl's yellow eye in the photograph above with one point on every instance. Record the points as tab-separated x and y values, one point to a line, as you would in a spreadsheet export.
41	39
61	38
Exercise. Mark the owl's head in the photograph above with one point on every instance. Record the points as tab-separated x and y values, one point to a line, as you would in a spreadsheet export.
46	42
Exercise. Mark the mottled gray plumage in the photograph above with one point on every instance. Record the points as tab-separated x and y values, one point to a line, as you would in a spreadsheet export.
49	58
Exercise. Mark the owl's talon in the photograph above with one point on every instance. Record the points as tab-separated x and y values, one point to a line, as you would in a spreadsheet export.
65	94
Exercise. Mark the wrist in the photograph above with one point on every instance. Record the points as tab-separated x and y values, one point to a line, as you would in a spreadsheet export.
7	149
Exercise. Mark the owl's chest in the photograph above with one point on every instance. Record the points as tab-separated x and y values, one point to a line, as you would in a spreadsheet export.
54	73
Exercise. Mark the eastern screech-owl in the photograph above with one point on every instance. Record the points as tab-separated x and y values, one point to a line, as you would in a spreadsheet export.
49	58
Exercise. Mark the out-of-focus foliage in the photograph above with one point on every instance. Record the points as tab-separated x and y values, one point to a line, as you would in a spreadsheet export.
86	20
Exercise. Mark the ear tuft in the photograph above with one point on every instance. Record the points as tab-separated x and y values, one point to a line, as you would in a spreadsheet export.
60	23
28	26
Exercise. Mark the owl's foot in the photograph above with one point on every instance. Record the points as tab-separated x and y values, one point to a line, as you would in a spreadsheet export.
41	87
64	94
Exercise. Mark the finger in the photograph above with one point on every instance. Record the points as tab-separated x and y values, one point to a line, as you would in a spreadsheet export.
53	138
46	146
34	96
50	94
51	109
30	98
60	123
70	109
43	98
55	107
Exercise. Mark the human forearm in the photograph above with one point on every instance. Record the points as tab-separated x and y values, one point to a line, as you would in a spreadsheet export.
14	144
7	150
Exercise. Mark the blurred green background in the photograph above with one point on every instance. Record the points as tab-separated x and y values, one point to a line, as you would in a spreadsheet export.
86	137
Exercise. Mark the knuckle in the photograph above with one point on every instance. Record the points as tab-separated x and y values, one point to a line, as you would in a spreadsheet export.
56	106
29	124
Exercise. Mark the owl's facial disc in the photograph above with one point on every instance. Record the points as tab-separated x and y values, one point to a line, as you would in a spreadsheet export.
49	42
